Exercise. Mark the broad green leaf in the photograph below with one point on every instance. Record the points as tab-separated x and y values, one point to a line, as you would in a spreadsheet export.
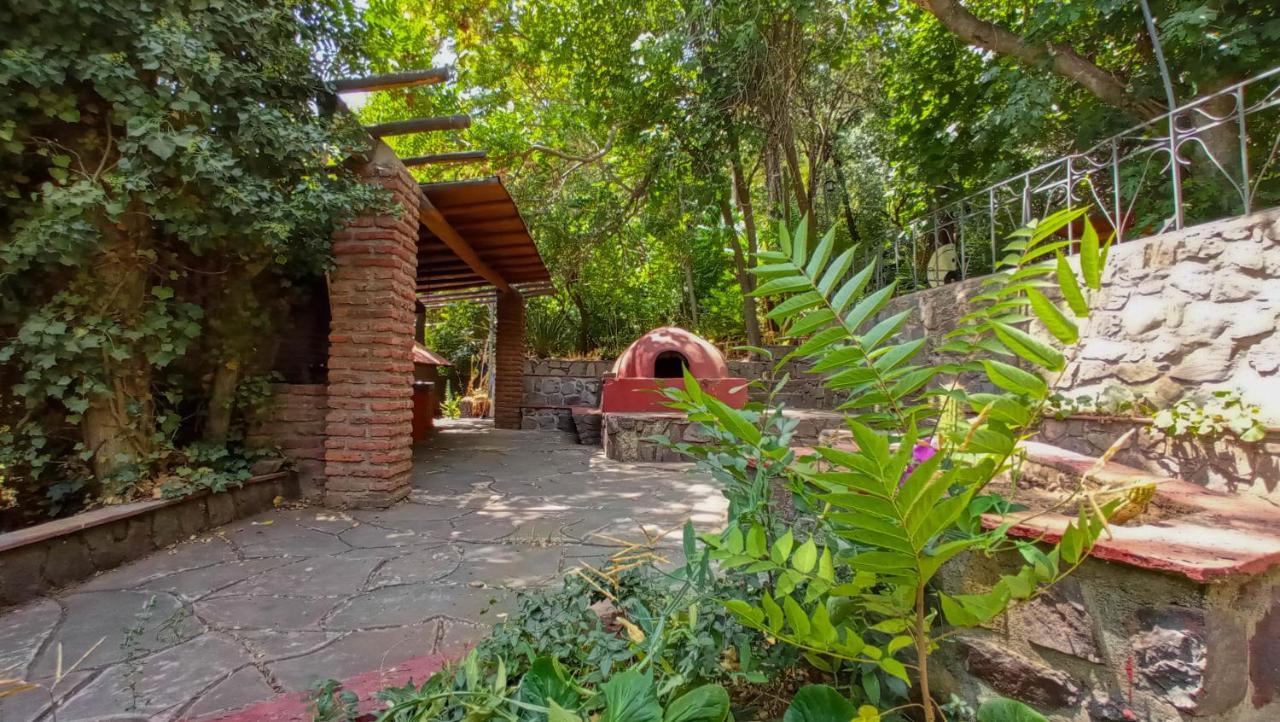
733	420
756	541
796	618
1029	347
545	684
1062	328
1070	288
556	713
895	668
782	548
1012	378
805	557
819	703
708	703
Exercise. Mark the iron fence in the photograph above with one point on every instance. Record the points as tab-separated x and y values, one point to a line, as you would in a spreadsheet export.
1215	157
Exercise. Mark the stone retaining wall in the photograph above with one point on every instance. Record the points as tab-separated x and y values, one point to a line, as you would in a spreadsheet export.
1179	312
1195	650
40	558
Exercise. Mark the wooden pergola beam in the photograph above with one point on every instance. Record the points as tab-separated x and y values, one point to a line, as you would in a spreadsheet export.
463	156
390	81
419	125
434	220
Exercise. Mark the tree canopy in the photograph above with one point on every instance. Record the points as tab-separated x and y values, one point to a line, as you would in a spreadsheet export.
653	146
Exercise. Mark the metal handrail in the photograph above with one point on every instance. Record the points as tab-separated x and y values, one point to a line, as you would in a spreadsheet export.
1105	177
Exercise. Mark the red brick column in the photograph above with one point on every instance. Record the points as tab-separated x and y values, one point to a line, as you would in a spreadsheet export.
508	367
295	422
368	429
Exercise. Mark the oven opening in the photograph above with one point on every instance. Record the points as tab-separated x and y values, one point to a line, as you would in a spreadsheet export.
670	365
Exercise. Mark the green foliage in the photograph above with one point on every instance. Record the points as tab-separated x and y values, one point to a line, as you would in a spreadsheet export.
1221	413
327	702
169	179
556	658
904	498
1007	710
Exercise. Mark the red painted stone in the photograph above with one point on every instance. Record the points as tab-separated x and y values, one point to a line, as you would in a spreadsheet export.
293	706
652	362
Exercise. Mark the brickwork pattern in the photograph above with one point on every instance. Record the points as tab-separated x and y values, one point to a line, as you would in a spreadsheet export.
508	378
368	427
295	423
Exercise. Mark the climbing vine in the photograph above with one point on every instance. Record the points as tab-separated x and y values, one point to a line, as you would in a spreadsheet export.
170	172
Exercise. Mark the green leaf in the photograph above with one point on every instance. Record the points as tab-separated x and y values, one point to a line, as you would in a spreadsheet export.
708	703
1012	378
796	618
782	548
1070	288
1029	347
545	684
821	254
1062	328
756	541
556	713
630	697
894	668
1090	257
1001	709
819	703
805	557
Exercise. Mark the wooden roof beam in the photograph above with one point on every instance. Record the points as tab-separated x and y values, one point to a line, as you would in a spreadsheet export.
465	156
419	125
433	219
390	81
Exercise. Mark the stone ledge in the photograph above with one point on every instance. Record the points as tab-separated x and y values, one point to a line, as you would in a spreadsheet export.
39	558
1201	534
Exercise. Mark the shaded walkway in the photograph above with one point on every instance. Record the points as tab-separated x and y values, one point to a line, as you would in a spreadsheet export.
268	604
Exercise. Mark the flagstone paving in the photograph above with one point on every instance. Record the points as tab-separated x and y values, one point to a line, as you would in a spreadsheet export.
270	603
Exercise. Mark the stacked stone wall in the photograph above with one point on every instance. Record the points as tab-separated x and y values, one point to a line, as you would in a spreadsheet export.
1192	310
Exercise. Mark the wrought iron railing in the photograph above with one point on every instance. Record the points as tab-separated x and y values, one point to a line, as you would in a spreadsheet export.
1215	157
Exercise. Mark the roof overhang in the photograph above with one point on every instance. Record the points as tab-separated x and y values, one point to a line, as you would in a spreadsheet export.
472	243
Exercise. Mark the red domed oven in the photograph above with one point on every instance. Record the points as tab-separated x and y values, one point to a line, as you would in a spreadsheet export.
656	360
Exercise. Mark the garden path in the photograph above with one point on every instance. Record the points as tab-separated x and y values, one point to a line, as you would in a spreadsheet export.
270	603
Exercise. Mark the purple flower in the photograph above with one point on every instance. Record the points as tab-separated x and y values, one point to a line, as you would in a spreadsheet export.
920	454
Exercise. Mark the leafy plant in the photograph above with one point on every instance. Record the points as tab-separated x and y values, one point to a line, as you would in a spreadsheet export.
1223	412
328	702
905	496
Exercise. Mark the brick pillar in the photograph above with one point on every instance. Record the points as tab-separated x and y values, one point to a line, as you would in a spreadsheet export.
508	367
369	425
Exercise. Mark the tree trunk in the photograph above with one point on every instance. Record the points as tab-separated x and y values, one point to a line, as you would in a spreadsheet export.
584	323
746	282
119	421
221	400
693	295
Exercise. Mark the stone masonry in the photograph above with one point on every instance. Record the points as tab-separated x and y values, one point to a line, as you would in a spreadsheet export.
368	444
1179	312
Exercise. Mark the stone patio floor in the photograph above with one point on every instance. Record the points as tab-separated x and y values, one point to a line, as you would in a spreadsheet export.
268	604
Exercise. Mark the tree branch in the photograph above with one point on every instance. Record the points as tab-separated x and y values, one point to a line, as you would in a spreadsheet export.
1059	58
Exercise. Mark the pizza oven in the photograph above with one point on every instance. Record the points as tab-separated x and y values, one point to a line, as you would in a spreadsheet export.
658	359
